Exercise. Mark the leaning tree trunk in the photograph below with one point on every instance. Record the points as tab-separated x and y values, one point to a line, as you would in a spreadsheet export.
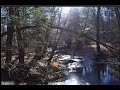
83	35
10	29
97	34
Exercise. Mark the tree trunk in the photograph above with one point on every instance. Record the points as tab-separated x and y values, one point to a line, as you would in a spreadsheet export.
10	30
20	42
20	47
55	42
46	41
48	30
117	12
97	34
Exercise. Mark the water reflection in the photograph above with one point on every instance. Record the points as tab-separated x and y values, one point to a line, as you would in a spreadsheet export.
90	71
73	79
99	74
84	71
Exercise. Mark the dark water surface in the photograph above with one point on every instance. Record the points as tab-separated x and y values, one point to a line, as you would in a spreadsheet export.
91	73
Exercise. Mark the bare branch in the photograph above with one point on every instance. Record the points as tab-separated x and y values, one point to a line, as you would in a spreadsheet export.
21	28
61	28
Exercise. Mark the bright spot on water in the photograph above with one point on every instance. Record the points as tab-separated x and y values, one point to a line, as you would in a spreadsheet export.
65	57
87	84
72	81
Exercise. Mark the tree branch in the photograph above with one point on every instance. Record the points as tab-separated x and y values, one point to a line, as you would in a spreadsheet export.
21	28
107	46
61	28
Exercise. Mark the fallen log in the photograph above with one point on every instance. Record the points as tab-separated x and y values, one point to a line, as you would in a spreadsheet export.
106	46
61	28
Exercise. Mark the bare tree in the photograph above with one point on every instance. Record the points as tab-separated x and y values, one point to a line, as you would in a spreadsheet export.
10	29
117	12
20	40
53	11
97	34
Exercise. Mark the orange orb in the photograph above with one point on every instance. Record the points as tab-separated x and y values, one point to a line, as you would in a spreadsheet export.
56	64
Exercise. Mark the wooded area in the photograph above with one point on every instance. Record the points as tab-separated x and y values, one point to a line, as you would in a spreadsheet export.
27	33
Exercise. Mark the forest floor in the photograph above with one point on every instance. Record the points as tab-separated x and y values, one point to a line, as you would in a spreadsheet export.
58	68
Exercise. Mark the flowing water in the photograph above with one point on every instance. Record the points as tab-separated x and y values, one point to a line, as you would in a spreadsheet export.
89	73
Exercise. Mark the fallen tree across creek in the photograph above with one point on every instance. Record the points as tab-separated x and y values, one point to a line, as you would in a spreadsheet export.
110	48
